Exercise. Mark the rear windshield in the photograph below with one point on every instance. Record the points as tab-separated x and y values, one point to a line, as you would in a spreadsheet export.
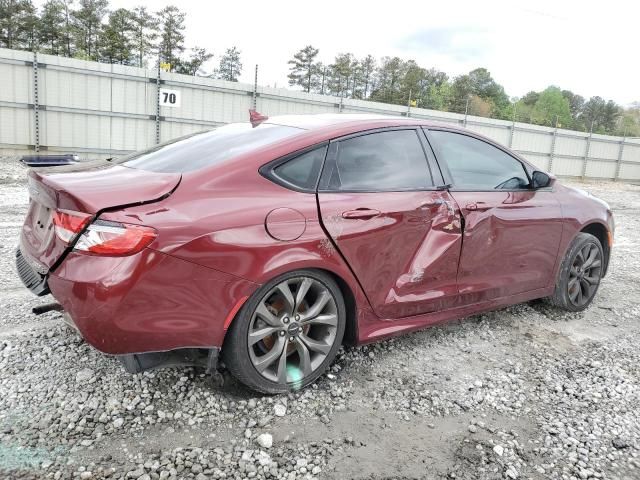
193	152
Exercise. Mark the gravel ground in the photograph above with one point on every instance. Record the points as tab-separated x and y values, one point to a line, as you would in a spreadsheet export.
524	392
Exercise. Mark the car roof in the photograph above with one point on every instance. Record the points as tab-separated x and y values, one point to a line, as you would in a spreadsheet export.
326	126
324	120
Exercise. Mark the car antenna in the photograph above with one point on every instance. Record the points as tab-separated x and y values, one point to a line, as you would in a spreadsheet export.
256	118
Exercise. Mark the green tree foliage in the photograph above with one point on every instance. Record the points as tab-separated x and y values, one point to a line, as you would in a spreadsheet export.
530	98
629	124
51	33
413	81
18	24
230	66
304	70
193	66
117	38
342	75
144	26
576	104
479	82
367	68
387	78
171	25
87	27
67	29
551	109
600	116
437	93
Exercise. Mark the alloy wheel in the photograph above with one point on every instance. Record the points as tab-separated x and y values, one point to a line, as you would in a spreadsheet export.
584	275
292	330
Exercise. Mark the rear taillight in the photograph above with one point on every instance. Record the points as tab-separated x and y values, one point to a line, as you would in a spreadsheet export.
68	224
113	238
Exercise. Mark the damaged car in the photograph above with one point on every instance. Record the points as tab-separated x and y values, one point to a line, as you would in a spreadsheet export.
265	246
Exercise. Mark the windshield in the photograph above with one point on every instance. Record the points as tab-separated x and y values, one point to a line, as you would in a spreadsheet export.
207	148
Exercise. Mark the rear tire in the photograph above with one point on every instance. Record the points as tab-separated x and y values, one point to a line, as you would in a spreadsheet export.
287	334
580	274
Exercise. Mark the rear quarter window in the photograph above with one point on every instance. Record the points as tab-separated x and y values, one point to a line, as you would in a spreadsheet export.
301	172
196	151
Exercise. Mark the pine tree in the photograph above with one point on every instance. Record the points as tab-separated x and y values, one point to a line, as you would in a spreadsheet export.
116	44
67	29
87	26
230	65
388	80
367	67
51	32
171	24
304	70
341	71
144	26
199	56
17	24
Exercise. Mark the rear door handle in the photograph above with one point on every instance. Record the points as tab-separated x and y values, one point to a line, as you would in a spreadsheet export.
478	206
361	213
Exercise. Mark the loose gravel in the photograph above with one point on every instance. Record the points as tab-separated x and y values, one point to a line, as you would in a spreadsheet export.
524	392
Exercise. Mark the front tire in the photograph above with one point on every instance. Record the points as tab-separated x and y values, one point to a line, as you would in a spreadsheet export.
287	334
580	274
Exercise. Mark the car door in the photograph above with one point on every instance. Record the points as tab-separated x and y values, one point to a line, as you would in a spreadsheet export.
511	232
399	234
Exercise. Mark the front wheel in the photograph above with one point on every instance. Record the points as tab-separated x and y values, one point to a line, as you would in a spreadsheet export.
580	274
287	333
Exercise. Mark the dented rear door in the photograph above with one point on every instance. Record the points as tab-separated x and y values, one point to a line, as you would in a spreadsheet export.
399	234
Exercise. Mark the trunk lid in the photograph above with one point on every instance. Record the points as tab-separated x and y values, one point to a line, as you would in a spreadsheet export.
87	189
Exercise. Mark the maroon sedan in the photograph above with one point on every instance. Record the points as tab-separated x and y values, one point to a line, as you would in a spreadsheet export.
268	245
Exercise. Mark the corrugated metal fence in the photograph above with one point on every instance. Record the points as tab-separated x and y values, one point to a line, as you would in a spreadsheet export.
57	104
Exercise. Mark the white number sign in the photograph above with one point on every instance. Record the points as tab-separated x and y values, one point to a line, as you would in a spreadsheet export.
170	98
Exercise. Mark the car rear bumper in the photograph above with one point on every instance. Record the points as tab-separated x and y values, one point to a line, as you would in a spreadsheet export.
31	278
147	302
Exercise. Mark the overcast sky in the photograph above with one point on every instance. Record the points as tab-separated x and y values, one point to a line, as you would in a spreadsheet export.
585	46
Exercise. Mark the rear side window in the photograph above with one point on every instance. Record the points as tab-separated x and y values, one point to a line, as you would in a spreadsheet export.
384	161
302	172
477	165
208	148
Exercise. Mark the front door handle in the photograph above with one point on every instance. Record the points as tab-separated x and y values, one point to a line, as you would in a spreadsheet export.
478	206
436	203
361	213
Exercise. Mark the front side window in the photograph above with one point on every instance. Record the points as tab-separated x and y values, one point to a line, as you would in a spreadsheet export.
477	165
384	161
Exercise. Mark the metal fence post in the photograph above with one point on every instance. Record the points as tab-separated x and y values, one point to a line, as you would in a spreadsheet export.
553	150
619	163
466	111
158	101
36	105
512	133
586	154
255	89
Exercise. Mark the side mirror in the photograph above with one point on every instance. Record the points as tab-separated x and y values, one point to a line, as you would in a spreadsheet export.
541	180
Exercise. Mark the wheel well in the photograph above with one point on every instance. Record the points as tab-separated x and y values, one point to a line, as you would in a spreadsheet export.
351	328
600	232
